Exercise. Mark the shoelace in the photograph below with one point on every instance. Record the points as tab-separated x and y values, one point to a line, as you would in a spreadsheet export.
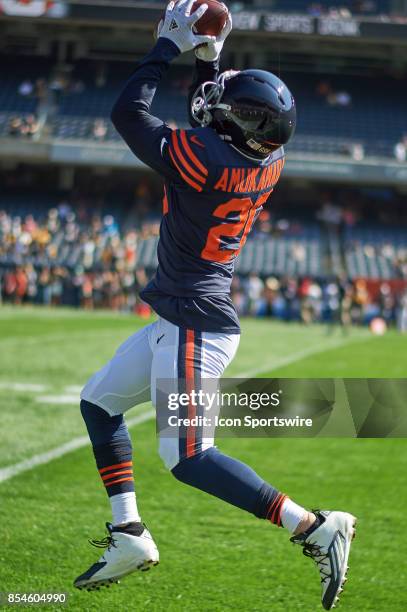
107	542
314	552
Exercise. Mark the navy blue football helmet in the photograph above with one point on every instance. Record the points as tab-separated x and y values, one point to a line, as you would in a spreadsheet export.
252	109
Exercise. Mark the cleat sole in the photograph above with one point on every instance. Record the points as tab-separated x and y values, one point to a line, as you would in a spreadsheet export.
352	533
107	582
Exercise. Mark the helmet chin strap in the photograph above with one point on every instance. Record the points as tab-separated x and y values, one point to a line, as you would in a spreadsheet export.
257	159
228	139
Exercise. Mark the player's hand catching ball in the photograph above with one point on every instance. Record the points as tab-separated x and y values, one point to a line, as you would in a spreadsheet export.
211	51
178	25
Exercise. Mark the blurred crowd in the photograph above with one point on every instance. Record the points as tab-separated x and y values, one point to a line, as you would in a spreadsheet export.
66	259
88	261
335	301
88	289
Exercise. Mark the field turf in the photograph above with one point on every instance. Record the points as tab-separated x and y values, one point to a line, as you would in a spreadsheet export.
213	556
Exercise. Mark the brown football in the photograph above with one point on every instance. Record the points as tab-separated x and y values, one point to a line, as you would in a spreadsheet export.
214	19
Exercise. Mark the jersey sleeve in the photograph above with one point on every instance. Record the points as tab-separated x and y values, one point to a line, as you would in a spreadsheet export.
188	156
178	155
146	135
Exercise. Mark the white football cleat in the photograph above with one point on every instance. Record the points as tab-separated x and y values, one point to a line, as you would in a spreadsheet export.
128	549
328	545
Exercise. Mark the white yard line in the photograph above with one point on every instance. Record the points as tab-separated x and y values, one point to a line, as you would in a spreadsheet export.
64	399
73	389
28	464
70	393
20	386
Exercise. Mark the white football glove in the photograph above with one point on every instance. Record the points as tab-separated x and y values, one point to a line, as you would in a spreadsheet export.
178	25
211	51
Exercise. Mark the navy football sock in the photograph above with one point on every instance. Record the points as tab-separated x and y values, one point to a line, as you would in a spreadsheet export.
232	481
112	448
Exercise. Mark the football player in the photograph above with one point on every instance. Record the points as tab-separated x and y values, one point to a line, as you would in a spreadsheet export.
217	176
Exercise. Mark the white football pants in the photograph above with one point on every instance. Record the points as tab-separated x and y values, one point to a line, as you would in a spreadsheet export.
162	351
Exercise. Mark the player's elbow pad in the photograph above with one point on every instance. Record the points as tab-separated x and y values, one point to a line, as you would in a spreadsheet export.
123	114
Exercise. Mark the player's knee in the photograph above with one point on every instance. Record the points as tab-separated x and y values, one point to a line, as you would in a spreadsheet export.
196	469
102	427
170	456
91	412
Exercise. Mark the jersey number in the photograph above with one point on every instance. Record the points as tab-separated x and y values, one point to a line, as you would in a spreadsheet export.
247	212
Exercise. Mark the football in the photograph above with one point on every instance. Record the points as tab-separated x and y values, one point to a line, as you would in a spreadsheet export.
212	22
214	19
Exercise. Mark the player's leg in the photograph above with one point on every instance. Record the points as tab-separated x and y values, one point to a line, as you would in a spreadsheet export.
194	460
191	358
123	383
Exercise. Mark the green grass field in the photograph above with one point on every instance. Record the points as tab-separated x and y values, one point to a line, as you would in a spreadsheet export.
213	557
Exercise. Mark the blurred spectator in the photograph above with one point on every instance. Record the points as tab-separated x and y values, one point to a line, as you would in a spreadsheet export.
289	291
338	295
254	290
349	216
360	300
311	302
357	152
323	89
400	149
15	125
99	129
58	83
339	98
19	126
101	75
30	126
298	252
331	215
41	90
26	88
387	302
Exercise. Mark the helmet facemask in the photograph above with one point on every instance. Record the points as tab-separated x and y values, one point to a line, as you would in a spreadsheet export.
208	97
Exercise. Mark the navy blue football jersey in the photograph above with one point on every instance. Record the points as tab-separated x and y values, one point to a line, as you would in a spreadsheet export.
212	197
